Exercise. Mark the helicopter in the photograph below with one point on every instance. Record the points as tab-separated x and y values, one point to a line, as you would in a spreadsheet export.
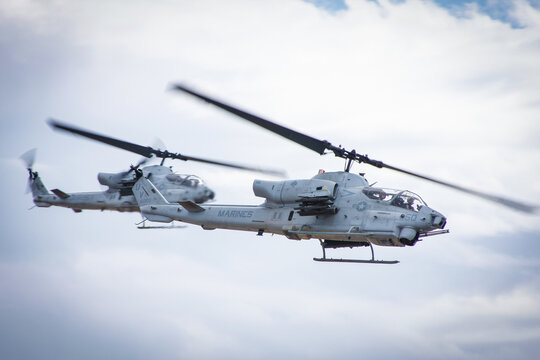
340	209
119	195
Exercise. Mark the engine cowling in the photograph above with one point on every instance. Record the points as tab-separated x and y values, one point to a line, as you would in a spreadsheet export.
295	191
114	181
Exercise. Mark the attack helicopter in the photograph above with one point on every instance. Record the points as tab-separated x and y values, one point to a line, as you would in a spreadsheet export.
340	209
119	195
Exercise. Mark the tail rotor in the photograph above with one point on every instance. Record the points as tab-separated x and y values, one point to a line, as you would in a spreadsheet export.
29	158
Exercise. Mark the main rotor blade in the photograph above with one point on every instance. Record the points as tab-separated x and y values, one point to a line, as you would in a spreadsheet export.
513	204
320	146
316	145
137	149
148	151
233	165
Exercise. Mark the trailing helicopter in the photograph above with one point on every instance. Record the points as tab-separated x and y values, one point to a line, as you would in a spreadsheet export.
339	208
119	195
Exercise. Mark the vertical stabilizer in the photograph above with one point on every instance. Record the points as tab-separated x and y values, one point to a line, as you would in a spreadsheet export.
149	198
40	194
34	181
36	185
147	194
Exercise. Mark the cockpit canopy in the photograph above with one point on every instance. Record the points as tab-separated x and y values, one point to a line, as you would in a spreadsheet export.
400	198
185	180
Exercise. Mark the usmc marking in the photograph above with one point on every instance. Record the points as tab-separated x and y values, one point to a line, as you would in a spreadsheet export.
235	213
361	206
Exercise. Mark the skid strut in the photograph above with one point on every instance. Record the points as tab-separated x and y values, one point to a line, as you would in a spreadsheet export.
372	261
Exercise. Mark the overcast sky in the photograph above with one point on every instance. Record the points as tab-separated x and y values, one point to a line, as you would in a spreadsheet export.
446	88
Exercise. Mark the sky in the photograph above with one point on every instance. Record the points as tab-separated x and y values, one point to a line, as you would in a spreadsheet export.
450	89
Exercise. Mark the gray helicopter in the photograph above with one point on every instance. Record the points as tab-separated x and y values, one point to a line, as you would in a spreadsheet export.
339	208
119	195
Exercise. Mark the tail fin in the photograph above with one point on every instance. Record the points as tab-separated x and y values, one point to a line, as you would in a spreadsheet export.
147	194
34	181
38	189
36	185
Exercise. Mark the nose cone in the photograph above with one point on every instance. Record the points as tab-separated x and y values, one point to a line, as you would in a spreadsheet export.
438	220
432	219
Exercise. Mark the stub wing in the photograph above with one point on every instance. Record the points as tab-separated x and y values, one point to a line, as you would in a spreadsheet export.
192	207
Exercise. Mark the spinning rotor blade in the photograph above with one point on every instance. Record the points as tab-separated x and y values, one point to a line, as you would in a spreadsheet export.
148	151
136	166
157	144
302	139
29	157
320	146
145	151
513	204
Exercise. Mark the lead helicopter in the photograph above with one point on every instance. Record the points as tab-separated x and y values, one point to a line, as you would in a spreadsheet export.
119	195
339	208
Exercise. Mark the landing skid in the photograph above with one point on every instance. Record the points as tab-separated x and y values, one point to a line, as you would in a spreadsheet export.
358	261
144	227
160	227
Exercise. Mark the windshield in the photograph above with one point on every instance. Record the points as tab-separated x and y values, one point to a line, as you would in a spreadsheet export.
404	199
185	180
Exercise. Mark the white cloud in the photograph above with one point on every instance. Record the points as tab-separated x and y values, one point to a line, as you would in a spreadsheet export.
207	310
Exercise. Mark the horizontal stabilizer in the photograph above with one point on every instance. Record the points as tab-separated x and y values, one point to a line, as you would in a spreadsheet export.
60	194
192	207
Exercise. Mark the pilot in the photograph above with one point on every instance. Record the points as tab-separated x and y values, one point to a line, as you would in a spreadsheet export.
399	202
372	195
409	204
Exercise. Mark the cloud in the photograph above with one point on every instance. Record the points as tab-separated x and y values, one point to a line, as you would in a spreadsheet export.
143	300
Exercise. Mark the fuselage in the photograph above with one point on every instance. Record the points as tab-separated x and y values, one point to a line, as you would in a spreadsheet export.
119	197
358	216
